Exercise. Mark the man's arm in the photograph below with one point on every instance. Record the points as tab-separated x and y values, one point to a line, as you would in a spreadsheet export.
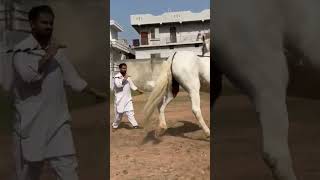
119	83
94	92
73	79
51	51
140	91
42	65
33	71
133	86
70	75
27	68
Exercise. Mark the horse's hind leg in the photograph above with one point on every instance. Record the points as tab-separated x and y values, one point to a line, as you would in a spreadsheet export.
171	94
195	99
272	110
269	98
161	108
194	93
267	90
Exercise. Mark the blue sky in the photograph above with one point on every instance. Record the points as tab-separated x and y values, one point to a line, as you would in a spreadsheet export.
120	11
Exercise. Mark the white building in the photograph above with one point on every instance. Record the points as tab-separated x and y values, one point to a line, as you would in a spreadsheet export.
14	24
119	48
161	35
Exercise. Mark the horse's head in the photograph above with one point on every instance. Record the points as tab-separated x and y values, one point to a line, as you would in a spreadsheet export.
205	46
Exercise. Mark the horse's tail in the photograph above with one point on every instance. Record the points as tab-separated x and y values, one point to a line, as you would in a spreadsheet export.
163	83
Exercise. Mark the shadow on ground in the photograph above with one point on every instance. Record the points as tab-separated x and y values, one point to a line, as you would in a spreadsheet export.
177	131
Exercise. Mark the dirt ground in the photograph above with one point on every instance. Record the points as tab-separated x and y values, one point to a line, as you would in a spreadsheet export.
182	153
89	131
237	140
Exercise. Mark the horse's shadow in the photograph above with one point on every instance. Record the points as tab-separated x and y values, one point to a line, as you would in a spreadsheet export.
178	131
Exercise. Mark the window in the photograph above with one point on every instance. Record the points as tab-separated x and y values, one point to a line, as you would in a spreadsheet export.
153	35
156	55
144	38
135	42
173	34
156	32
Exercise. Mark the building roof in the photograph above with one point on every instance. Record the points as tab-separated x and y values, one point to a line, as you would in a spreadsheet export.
122	46
169	17
114	24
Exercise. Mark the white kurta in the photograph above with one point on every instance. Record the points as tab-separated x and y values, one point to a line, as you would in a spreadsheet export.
42	118
122	90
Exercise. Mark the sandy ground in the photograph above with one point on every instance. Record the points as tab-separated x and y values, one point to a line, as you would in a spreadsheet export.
182	153
237	140
89	131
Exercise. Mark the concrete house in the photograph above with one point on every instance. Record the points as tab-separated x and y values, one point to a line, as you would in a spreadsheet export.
161	35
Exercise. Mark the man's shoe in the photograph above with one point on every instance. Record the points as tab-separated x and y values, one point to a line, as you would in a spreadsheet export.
136	127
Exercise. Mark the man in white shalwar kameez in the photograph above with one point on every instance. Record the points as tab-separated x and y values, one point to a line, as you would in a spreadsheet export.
42	130
123	100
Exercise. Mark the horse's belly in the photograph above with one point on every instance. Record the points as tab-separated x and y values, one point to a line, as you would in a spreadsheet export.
205	86
304	81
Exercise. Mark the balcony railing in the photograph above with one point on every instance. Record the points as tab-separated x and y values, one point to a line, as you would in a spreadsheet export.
185	39
182	39
122	44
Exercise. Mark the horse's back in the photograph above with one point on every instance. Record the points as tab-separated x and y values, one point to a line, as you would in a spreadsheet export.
248	42
184	61
249	39
188	68
261	22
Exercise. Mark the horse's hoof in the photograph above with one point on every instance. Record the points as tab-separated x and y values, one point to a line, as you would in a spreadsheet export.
207	138
207	135
159	132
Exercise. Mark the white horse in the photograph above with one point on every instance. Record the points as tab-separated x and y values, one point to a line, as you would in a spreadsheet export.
183	68
250	44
